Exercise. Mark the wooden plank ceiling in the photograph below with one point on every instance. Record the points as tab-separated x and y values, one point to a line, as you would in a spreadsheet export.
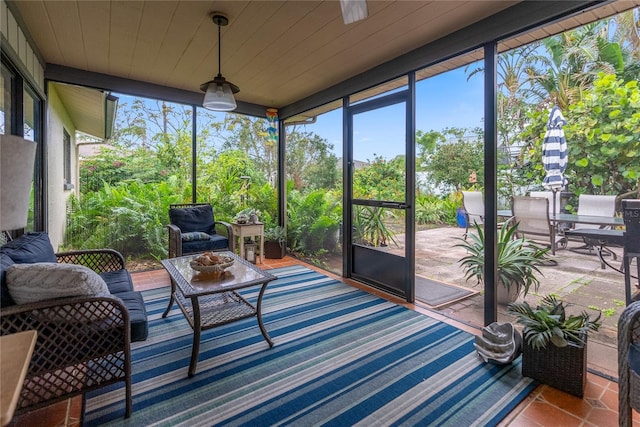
277	52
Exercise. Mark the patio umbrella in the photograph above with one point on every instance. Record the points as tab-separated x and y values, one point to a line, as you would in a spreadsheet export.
554	154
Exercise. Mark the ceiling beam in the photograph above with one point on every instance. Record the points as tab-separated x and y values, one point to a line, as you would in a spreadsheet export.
76	76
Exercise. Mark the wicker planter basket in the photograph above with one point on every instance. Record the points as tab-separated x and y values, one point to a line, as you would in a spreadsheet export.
564	368
274	250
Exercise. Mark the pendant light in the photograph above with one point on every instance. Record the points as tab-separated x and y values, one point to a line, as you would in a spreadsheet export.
219	92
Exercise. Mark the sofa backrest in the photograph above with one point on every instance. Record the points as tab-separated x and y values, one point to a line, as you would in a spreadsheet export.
26	249
195	218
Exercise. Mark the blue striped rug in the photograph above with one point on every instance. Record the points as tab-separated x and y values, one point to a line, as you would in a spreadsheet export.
342	357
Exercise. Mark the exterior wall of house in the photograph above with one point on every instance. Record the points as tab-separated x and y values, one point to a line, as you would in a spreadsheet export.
17	41
58	121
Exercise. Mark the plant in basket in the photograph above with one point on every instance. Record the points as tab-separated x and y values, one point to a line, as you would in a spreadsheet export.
275	239
555	344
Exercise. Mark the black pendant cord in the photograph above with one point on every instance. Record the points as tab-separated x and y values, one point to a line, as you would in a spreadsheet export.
219	54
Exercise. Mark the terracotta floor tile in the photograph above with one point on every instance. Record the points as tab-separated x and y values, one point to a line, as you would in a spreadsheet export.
603	417
593	390
548	415
522	421
53	415
610	399
567	402
601	381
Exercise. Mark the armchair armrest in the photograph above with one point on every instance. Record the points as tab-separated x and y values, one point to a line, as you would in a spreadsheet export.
99	260
224	228
175	241
83	344
628	334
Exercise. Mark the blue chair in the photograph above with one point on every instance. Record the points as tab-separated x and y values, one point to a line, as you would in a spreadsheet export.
193	229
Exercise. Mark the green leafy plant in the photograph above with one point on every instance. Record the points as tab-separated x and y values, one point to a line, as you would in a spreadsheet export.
371	227
518	259
275	234
549	323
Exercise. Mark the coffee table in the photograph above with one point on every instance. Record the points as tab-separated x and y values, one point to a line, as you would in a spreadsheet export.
208	300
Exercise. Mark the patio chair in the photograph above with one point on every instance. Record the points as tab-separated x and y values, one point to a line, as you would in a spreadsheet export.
549	196
473	208
193	229
596	205
532	216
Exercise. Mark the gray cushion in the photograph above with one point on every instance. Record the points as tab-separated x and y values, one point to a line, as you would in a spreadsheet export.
43	280
5	296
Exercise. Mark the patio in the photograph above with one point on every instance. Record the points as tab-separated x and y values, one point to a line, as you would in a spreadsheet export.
577	278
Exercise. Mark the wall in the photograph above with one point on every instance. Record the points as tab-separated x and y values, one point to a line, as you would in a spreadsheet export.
58	120
17	47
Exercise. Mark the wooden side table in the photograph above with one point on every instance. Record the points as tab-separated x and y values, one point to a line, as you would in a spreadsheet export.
255	231
15	356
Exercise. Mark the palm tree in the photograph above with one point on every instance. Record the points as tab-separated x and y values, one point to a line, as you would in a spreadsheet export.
573	60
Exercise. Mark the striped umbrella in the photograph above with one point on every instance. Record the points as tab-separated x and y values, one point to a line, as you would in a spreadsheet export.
554	153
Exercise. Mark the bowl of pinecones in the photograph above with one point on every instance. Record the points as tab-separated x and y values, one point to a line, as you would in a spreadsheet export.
209	262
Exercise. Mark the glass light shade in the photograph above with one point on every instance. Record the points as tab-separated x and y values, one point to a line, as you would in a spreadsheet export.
219	98
353	10
17	156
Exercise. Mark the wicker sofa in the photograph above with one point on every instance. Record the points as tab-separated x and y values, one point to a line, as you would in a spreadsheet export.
83	341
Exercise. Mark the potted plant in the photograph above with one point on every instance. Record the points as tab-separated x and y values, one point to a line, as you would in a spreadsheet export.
275	239
371	228
518	262
554	350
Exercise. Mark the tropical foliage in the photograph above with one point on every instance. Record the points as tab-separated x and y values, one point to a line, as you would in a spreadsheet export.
591	72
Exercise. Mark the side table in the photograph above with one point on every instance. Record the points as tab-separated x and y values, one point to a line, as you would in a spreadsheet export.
254	230
15	355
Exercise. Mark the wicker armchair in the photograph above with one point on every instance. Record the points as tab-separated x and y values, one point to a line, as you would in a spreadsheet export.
197	217
628	351
83	343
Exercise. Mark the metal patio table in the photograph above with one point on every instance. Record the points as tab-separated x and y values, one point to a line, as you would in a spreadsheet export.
208	300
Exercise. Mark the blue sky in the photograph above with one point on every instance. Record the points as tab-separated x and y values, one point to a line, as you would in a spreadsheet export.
446	100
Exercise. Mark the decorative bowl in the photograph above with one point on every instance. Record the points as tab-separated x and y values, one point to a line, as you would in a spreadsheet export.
214	268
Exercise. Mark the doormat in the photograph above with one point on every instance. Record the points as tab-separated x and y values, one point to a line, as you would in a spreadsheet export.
437	294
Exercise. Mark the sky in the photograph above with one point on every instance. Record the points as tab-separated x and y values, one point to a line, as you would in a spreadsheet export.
446	100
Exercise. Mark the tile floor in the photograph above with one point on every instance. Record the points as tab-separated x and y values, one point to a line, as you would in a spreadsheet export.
545	406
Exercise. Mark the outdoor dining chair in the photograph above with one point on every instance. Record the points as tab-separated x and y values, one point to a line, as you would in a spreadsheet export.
596	205
473	208
531	214
549	196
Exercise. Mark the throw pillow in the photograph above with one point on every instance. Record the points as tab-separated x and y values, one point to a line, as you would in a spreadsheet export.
30	248
5	296
42	281
195	218
195	235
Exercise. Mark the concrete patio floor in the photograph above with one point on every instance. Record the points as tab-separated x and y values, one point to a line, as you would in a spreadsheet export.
578	279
